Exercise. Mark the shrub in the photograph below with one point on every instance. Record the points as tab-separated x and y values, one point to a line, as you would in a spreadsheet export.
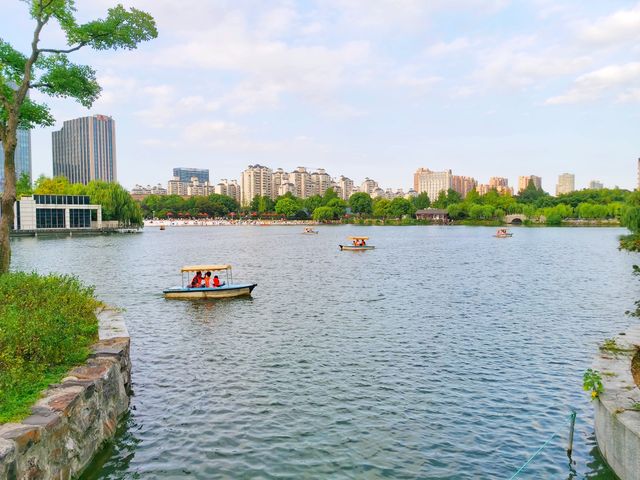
47	324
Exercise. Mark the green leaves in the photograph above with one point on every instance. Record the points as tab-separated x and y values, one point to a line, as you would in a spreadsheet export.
12	64
592	381
121	29
61	78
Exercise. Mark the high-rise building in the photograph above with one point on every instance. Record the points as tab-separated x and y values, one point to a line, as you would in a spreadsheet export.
566	183
186	174
280	178
425	180
369	186
255	180
302	181
229	188
22	157
176	187
595	185
495	182
463	185
85	149
320	182
523	182
346	187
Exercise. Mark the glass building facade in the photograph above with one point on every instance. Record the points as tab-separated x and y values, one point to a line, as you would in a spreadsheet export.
85	150
22	157
186	174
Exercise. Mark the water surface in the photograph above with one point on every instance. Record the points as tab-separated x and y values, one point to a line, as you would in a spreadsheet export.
443	354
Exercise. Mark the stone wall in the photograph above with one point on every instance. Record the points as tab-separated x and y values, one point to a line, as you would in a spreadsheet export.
617	423
73	419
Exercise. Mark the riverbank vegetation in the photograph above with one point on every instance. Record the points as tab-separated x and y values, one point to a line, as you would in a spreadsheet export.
631	220
47	324
605	206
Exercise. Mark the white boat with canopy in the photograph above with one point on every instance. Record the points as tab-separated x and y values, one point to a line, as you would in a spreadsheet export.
197	287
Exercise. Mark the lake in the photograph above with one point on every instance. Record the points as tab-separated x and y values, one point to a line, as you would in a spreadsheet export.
443	354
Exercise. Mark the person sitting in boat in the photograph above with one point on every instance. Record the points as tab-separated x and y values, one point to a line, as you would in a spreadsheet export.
207	280
197	280
216	282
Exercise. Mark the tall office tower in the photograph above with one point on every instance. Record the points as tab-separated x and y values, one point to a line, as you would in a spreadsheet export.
346	187
255	180
425	180
186	174
463	185
523	182
302	181
320	182
566	183
85	149
22	157
595	185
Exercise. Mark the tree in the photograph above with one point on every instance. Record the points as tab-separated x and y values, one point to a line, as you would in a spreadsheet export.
329	195
399	207
441	201
338	206
361	203
49	71
421	201
381	207
323	214
287	206
313	202
262	204
631	219
23	186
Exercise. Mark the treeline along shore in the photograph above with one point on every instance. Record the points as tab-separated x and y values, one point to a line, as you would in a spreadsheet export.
602	207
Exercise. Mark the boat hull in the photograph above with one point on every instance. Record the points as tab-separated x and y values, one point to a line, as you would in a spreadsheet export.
508	235
356	249
206	293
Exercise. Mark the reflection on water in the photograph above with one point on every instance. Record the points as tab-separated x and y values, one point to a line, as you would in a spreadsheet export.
444	353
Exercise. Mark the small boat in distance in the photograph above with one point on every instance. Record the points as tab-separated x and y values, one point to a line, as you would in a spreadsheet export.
226	289
503	233
309	231
357	244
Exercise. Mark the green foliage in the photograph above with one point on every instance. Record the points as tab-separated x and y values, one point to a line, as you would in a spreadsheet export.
323	214
381	207
23	186
116	202
421	201
554	219
399	207
313	202
592	381
631	218
337	206
46	326
531	194
262	204
288	206
163	206
361	203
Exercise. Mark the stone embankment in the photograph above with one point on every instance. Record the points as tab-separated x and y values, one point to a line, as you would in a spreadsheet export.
617	411
73	419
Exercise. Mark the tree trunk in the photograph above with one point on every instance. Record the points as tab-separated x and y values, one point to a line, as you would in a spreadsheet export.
8	199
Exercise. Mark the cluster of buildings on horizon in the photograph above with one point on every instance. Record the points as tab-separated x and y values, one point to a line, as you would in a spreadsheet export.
84	149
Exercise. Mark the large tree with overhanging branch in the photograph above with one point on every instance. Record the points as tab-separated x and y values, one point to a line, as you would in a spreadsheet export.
48	70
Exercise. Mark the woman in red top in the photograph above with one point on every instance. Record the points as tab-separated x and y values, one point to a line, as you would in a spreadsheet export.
216	281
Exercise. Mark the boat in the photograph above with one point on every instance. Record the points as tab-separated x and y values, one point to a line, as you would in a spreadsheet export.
309	231
227	289
162	227
357	244
503	233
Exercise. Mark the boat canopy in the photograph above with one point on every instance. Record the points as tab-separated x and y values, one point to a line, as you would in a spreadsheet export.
358	238
205	268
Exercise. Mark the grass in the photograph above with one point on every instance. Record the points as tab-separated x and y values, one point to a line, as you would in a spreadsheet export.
630	243
47	324
611	345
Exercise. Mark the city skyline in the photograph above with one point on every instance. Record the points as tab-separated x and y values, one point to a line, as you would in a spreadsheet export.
323	84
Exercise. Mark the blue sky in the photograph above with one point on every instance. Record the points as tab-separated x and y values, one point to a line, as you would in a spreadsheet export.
371	88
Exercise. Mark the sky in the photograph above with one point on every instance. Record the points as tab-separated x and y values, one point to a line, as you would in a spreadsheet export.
366	88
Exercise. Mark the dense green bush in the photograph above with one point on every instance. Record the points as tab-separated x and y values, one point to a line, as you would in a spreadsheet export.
47	324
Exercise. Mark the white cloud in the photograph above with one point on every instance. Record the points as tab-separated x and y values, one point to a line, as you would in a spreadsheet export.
447	48
597	83
621	26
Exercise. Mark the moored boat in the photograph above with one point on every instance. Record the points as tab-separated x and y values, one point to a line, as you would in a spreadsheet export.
226	289
357	244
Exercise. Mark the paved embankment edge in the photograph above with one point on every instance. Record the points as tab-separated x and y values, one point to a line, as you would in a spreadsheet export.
74	418
617	425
